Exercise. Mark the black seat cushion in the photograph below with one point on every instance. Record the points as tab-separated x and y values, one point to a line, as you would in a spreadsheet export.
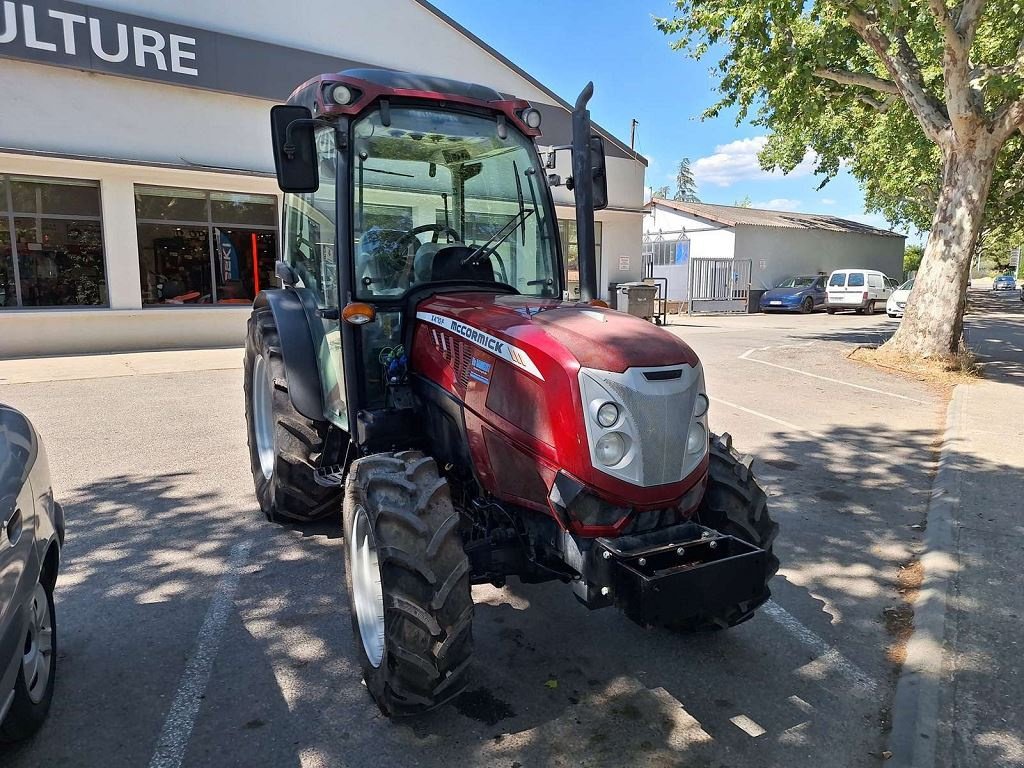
448	265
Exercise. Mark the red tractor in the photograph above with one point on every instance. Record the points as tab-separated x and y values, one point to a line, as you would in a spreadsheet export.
420	370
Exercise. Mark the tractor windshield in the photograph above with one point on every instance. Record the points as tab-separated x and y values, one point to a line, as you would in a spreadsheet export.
440	195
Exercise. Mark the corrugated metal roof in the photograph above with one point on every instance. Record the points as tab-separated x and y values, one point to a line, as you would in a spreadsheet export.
731	215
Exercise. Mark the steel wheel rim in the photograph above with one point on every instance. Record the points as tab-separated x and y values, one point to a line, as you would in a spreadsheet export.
367	590
263	415
37	661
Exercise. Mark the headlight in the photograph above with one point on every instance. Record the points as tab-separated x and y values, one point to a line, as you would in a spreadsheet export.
610	448
697	439
700	405
607	415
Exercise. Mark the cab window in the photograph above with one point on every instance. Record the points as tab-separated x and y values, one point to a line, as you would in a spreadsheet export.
855	280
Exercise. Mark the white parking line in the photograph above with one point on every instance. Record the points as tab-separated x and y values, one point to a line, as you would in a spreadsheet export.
787	424
170	748
744	356
826	653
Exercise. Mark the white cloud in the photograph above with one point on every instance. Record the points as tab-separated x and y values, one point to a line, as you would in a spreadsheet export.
827	201
778	204
737	161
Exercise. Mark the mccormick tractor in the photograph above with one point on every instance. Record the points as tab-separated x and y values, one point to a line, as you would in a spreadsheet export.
421	371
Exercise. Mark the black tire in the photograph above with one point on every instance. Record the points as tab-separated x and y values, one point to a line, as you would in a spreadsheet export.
869	307
734	504
290	493
807	305
25	716
424	574
830	310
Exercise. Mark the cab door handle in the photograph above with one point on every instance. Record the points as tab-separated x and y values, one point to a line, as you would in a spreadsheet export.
13	528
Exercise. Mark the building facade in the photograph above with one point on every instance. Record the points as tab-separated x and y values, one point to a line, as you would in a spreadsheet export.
138	207
777	244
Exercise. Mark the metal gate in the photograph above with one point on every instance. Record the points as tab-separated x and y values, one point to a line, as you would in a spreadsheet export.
718	285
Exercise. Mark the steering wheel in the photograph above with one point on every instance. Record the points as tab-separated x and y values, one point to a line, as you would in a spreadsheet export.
437	229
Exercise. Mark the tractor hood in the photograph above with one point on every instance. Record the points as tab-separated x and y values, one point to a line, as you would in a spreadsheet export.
568	334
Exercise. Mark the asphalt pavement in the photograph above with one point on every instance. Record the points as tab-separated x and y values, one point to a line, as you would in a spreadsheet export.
194	633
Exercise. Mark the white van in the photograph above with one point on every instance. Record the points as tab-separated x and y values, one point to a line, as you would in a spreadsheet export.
859	289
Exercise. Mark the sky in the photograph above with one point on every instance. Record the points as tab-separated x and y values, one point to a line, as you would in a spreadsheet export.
565	43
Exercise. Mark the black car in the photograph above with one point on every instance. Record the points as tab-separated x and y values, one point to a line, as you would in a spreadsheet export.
31	536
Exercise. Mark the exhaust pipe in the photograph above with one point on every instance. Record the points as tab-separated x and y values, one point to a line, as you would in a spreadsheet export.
583	189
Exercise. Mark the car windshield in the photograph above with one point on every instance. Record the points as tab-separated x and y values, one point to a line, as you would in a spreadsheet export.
431	188
907	286
796	282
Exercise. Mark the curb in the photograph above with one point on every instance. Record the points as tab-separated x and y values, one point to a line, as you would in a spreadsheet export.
915	710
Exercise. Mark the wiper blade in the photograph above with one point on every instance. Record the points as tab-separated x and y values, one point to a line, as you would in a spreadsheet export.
499	237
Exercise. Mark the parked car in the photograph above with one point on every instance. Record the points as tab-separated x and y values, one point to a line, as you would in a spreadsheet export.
1004	283
31	536
858	289
795	294
898	300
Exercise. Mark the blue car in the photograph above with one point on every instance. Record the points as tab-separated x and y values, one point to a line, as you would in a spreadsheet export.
795	294
1004	283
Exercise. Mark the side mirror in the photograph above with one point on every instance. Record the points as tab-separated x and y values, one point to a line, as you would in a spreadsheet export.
598	170
291	131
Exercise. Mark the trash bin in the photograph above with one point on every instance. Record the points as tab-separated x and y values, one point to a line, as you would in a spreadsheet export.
754	300
613	295
637	299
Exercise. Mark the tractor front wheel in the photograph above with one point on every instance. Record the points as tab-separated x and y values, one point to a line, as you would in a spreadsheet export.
407	576
284	446
736	505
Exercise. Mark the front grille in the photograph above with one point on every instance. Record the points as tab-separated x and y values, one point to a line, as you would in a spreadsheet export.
661	421
660	412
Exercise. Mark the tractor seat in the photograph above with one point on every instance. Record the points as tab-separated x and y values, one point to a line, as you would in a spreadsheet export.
447	265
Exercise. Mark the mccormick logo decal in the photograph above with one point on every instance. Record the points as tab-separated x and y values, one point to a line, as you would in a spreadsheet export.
492	344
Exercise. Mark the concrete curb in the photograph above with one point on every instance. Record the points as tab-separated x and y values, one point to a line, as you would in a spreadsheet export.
915	711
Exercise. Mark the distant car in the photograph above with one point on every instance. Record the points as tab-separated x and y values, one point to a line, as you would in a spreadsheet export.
1004	283
31	536
795	294
857	289
898	300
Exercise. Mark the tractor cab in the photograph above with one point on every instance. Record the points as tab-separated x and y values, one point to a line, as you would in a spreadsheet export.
400	186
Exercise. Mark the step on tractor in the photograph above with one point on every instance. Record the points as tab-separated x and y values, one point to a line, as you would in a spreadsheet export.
422	373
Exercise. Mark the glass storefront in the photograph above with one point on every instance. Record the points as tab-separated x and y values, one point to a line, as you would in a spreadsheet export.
199	247
51	243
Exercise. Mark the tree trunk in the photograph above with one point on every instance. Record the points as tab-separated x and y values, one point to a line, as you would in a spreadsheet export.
933	322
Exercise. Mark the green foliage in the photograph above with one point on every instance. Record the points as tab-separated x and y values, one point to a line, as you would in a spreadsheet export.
744	202
686	187
912	258
776	60
661	192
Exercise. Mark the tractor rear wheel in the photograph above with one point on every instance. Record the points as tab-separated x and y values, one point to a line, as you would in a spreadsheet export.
407	576
736	505
284	446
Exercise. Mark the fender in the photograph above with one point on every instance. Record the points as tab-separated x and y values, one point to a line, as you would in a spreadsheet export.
292	310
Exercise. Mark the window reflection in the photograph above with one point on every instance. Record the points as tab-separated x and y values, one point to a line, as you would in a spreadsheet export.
51	243
198	247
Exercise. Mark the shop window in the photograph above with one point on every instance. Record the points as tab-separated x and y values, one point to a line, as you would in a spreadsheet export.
51	243
570	250
198	247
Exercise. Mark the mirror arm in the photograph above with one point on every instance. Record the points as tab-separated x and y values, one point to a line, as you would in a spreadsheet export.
289	148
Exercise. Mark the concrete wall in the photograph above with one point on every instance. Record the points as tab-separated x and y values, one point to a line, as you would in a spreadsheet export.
787	252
